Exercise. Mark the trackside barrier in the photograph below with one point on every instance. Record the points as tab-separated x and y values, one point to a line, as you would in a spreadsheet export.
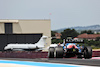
23	54
31	54
96	53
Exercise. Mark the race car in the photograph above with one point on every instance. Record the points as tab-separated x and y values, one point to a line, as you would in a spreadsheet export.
70	48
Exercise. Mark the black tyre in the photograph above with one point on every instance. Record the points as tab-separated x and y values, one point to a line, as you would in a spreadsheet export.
59	52
51	52
88	52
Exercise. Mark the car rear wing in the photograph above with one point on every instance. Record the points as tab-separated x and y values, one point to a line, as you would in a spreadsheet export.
74	41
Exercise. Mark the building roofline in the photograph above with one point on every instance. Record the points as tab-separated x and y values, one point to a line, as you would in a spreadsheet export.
16	21
25	19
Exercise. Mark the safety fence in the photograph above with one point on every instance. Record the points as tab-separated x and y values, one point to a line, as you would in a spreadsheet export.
96	53
31	54
20	54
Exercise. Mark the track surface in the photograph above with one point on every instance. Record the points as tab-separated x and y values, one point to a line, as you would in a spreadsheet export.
89	62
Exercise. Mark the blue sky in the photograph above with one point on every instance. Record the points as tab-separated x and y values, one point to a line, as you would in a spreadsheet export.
64	13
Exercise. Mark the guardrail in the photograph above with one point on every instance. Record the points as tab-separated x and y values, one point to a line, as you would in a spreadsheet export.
96	53
24	54
31	54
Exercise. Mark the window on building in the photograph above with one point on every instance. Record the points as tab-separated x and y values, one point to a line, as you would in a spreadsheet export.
8	28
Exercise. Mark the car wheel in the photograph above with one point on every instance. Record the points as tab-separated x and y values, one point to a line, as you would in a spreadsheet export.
59	52
51	52
88	52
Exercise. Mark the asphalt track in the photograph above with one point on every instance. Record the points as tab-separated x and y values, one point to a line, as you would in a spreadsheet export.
86	62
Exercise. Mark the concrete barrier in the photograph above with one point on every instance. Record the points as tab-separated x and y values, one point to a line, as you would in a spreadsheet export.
96	53
31	54
23	54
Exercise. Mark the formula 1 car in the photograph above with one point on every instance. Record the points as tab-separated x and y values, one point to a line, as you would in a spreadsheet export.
70	48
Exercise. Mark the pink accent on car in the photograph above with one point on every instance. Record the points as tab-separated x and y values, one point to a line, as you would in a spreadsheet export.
71	46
